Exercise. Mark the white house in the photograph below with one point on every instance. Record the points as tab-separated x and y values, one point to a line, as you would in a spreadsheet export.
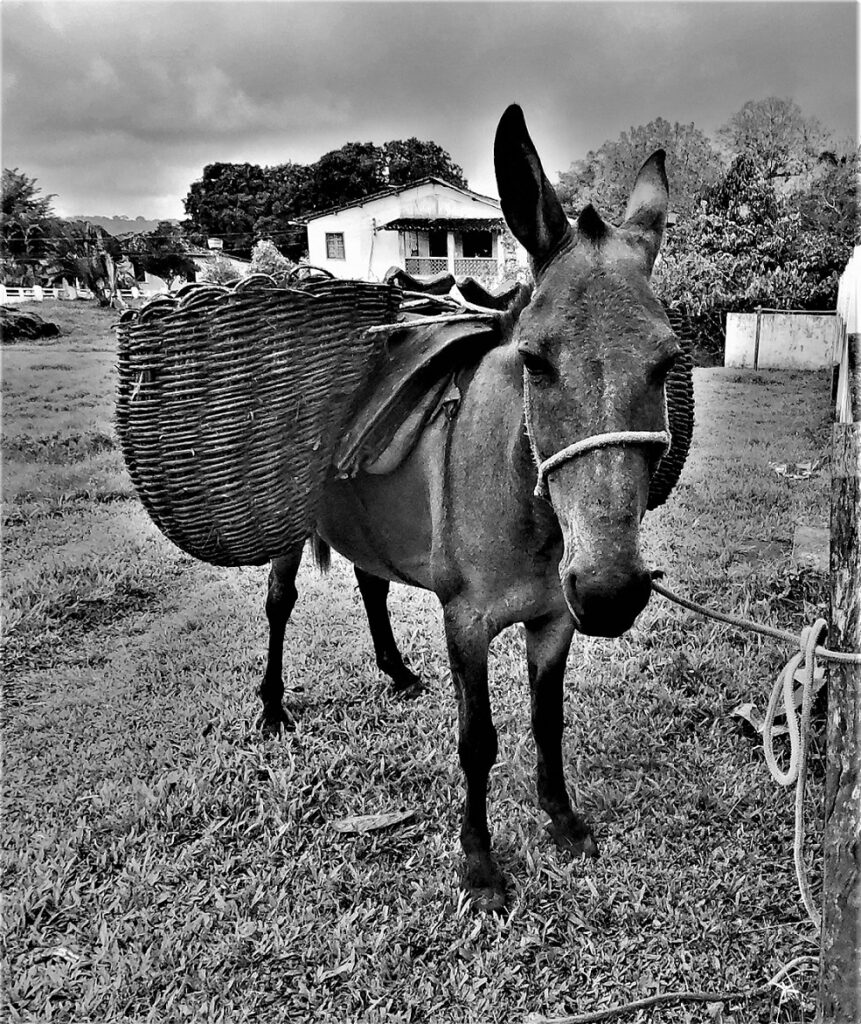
426	226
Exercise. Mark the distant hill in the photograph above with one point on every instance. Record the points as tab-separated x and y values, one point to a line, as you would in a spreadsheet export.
122	225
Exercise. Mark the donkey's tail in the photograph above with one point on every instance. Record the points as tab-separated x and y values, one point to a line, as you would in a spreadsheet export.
321	551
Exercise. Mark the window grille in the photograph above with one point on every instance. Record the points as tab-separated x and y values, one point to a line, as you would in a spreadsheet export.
335	245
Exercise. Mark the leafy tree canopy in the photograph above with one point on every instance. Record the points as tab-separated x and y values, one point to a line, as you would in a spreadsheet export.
604	177
750	245
162	251
404	160
829	202
23	212
776	134
21	196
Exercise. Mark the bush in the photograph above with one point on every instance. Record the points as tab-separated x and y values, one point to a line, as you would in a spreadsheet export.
266	259
219	271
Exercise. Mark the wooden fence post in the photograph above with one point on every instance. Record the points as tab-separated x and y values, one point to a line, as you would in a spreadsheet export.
839	1000
756	337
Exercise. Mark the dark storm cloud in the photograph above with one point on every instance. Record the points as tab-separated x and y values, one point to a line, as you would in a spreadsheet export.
117	107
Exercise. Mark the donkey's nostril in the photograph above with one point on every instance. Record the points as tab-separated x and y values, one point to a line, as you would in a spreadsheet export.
569	589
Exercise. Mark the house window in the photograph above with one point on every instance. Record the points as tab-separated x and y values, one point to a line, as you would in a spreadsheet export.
335	245
411	243
477	245
438	243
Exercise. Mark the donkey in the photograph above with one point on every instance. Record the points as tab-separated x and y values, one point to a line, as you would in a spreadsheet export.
573	401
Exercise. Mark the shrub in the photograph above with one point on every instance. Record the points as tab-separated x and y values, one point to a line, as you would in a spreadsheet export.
266	259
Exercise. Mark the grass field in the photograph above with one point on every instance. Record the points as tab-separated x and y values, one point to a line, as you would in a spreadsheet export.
162	863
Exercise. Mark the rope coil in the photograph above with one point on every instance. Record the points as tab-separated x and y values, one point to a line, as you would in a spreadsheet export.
809	649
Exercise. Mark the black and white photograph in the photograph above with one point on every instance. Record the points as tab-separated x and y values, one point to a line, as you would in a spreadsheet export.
431	512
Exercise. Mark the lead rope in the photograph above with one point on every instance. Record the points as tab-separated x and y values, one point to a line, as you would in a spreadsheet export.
809	650
662	998
797	772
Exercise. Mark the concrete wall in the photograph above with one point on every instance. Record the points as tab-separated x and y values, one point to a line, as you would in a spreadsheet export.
803	341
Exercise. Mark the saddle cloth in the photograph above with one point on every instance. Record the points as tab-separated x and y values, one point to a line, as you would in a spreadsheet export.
415	383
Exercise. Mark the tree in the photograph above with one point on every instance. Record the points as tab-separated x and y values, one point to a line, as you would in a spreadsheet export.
748	245
604	177
162	252
404	160
776	134
242	202
343	175
24	212
79	249
829	202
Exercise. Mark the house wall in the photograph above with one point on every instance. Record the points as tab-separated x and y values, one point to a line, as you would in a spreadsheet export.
368	254
803	341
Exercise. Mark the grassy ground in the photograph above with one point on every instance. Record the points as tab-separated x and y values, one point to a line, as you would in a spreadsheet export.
162	863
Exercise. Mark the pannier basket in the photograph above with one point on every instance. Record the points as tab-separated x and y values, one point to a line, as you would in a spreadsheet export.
230	402
680	407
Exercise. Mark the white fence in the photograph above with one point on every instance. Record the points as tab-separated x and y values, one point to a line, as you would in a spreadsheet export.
10	296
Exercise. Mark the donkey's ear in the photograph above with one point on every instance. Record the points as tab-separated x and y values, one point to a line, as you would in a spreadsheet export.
646	213
529	202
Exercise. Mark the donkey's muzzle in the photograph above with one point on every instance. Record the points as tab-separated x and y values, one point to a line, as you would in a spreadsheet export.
606	607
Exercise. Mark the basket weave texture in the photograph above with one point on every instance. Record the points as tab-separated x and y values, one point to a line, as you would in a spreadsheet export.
230	402
680	407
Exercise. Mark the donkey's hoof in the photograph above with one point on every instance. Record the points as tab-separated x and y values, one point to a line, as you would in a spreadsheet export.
489	900
574	840
405	683
273	723
408	689
484	887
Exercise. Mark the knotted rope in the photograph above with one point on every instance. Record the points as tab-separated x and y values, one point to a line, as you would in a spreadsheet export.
809	650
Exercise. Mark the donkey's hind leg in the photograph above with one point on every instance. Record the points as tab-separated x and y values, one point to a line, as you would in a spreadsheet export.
375	592
280	597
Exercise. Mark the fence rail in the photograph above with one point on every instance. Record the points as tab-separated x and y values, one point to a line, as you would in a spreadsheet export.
10	295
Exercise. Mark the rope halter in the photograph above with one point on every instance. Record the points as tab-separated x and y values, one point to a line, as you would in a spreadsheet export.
588	444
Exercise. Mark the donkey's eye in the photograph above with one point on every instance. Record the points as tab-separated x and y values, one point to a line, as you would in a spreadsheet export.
536	365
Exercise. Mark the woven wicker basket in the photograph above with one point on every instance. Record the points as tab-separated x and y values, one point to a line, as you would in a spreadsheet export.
680	406
230	402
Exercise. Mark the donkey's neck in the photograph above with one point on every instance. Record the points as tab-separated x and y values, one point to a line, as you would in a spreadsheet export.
500	392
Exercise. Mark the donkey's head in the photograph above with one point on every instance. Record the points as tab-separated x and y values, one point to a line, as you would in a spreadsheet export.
596	348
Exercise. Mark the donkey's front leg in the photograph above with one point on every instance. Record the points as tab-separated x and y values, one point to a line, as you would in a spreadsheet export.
281	595
468	638
547	643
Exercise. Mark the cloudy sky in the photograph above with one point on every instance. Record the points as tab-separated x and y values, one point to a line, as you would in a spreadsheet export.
116	107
